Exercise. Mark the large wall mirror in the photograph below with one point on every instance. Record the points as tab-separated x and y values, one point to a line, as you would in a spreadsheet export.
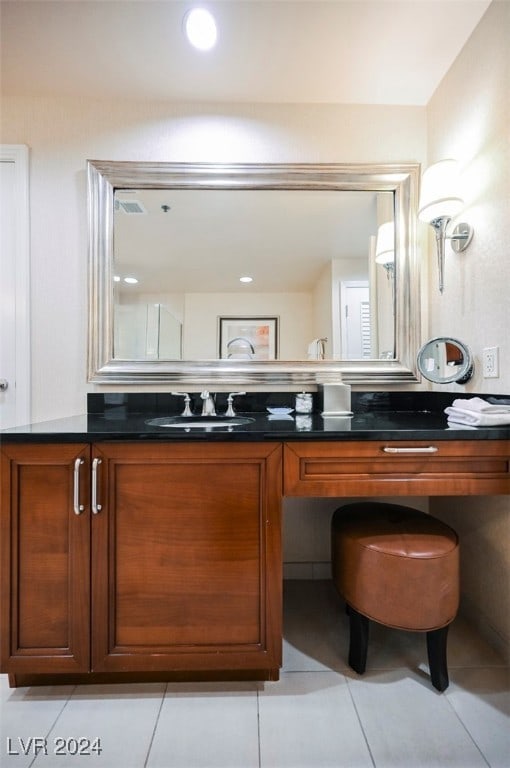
251	274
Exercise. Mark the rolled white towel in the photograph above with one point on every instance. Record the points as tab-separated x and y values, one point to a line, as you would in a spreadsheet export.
477	419
478	405
316	349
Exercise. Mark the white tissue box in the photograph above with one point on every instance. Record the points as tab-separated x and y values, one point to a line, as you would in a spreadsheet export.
337	400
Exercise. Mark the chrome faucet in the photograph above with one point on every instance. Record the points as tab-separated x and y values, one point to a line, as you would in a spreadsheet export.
187	400
208	406
230	403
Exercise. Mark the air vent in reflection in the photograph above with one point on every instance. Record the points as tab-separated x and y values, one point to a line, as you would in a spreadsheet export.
129	206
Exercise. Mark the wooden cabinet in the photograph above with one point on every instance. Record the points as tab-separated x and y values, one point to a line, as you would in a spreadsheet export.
173	564
45	559
397	468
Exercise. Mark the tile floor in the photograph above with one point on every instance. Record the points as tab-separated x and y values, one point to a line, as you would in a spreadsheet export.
320	713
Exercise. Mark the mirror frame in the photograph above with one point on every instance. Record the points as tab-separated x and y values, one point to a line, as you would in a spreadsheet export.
105	177
460	376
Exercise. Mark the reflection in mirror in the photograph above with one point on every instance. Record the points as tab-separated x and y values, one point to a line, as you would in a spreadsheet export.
444	360
302	256
146	331
169	244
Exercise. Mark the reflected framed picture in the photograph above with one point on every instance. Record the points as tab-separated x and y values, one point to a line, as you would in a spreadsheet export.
248	337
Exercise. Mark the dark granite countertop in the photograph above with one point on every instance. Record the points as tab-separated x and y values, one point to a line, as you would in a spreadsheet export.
377	416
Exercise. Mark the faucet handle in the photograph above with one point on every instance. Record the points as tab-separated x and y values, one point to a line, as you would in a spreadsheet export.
230	400
187	399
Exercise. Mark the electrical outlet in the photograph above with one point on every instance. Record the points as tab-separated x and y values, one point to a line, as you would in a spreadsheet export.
490	362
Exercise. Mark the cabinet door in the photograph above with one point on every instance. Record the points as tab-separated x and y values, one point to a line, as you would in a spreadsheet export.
45	559
186	553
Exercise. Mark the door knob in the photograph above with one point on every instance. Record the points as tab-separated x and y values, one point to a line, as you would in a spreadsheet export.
3	385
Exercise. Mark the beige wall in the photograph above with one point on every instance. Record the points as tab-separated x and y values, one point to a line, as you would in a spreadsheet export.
202	310
469	118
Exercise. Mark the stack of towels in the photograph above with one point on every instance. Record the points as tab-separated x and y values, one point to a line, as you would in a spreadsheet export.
476	412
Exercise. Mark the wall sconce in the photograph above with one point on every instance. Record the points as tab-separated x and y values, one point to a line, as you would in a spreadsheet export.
440	201
385	248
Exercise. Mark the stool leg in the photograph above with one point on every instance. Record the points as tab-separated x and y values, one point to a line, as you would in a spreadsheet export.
358	641
436	649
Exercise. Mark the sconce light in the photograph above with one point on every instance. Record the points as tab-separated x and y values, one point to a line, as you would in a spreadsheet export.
440	201
385	247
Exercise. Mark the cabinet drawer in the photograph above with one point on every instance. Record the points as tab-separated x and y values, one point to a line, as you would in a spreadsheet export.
397	468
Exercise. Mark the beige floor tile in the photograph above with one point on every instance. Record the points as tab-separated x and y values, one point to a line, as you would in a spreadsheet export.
207	725
481	698
316	636
467	648
307	720
314	627
27	714
122	717
410	725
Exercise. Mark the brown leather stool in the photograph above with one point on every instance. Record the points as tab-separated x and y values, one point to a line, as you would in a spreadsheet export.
400	567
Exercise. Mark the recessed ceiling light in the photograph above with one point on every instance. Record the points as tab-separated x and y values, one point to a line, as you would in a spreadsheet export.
246	279
116	279
130	280
201	29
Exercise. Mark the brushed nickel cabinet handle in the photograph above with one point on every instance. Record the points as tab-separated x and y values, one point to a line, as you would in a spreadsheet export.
427	449
78	508
96	508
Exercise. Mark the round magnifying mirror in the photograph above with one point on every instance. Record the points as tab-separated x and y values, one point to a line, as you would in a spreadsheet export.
444	360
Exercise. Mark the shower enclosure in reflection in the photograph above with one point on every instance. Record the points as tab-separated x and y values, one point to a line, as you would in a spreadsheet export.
146	332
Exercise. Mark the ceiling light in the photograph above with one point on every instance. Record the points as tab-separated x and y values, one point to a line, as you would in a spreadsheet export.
200	29
246	279
116	279
130	280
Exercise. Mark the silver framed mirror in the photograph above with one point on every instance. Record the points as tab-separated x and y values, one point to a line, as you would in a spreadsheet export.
111	182
445	360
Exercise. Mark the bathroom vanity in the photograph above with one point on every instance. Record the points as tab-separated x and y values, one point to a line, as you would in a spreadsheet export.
141	557
132	552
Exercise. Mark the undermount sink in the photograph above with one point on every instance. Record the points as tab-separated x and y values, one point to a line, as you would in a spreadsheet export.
200	422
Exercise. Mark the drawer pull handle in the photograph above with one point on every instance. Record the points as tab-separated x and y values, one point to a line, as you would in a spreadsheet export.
78	508
427	449
96	508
